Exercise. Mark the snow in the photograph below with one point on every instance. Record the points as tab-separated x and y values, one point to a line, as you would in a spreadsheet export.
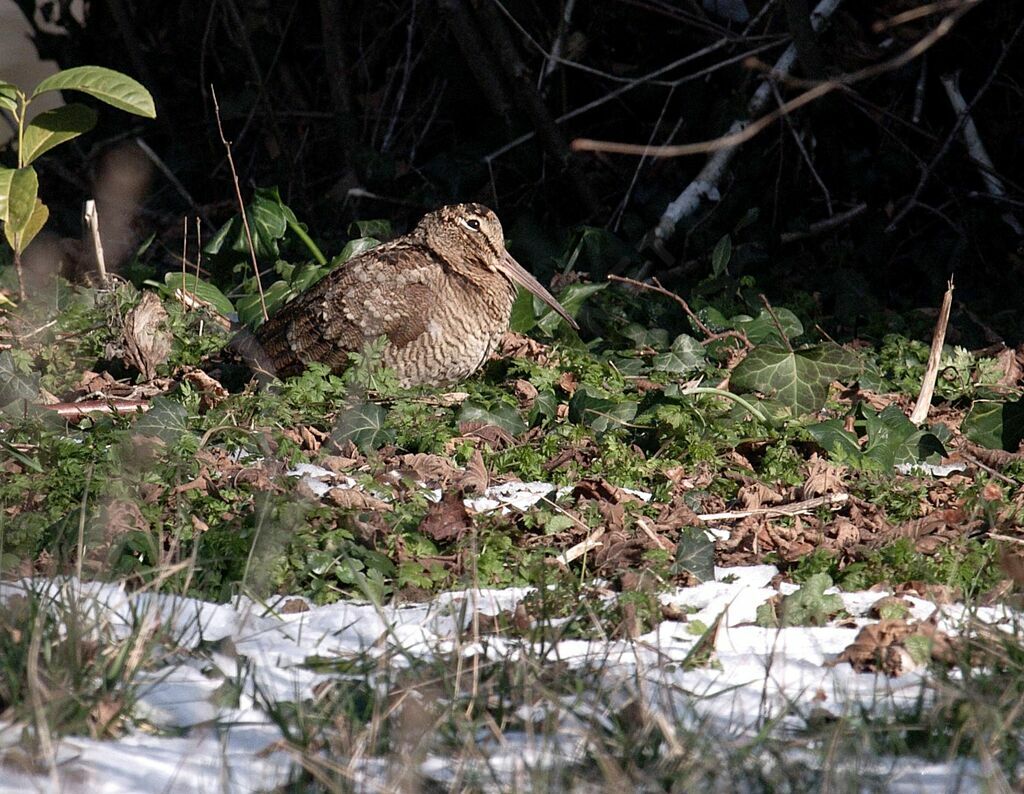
198	740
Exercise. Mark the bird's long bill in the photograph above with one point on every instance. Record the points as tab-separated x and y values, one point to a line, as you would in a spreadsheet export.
519	275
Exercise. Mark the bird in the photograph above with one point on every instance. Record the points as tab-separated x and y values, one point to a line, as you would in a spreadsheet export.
438	299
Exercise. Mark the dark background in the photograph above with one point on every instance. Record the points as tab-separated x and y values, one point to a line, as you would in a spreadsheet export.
385	110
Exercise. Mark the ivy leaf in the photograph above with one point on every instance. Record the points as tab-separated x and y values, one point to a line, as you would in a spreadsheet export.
116	89
166	419
799	379
268	220
54	127
597	409
15	384
840	444
685	355
365	425
504	416
763	329
379	228
572	298
695	553
808	606
354	248
523	318
996	425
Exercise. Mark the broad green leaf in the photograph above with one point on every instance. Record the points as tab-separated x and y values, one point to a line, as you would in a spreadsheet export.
15	384
20	239
116	89
19	188
365	425
721	255
8	96
379	228
695	553
763	329
799	379
504	416
894	439
572	298
840	444
685	355
996	424
54	127
354	248
250	310
268	220
643	336
808	606
166	419
203	290
523	318
594	249
600	410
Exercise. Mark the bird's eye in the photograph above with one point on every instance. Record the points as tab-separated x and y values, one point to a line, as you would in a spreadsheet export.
473	224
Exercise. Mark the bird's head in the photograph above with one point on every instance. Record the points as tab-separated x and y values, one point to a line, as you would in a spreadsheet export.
471	235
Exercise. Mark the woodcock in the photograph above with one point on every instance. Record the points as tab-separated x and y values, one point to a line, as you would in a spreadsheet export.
440	296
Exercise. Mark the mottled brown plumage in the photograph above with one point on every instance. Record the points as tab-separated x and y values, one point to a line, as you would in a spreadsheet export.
441	296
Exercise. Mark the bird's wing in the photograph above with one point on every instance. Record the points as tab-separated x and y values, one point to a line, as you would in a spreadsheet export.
387	291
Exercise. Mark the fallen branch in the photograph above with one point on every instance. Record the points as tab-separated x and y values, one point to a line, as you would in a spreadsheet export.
80	409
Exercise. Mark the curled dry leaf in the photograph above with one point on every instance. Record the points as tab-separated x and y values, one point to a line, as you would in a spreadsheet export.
446	520
432	470
822	478
475	478
353	499
147	340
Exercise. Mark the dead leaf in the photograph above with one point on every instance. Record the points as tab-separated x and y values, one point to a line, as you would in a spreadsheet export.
353	499
567	382
475	478
211	392
433	470
147	340
446	520
526	393
822	478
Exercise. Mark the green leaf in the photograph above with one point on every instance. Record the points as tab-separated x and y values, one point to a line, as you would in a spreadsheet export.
203	290
695	553
116	89
840	444
762	329
166	419
268	220
54	127
15	384
721	255
808	606
21	211
35	223
572	298
599	410
250	310
686	355
642	336
8	96
379	228
995	424
354	248
364	425
504	416
523	318
799	379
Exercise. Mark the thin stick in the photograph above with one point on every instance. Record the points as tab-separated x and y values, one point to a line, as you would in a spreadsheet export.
184	258
931	372
775	320
92	220
792	509
241	204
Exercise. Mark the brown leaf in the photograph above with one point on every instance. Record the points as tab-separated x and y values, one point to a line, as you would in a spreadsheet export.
1011	368
147	340
211	392
567	382
446	520
822	478
475	478
526	393
354	499
433	470
492	435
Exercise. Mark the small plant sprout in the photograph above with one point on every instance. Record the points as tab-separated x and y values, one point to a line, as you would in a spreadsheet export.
22	213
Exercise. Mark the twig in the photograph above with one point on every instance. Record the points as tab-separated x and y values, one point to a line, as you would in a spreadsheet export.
710	336
826	225
241	204
976	147
794	508
804	153
184	259
79	410
555	55
724	147
169	175
926	171
775	320
931	372
581	548
92	221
